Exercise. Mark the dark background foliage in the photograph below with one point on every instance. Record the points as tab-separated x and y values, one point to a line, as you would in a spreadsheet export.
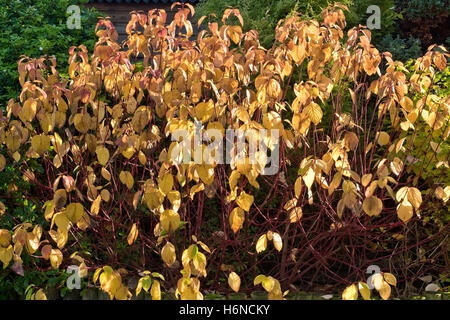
38	27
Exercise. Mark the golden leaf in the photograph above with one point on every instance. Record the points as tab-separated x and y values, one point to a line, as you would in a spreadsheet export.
127	179
372	206
168	254
390	278
204	110
350	293
365	179
277	242
40	143
165	183
74	212
2	162
384	290
5	238
95	207
405	211
295	214
6	255
234	281
170	220
132	236
383	138
245	201
102	155
364	290
56	258
261	244
298	187
314	112
82	122
237	218
414	197
155	291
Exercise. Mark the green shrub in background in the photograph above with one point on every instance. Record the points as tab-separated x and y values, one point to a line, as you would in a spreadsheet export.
38	27
401	48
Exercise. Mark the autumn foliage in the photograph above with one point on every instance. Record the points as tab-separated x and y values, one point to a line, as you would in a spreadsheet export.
363	154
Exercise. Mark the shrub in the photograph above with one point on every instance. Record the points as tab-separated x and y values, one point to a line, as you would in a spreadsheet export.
402	49
275	11
116	198
426	20
34	28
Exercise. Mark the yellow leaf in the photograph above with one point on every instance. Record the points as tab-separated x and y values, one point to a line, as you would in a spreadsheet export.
74	212
365	179
40	143
56	258
39	295
29	109
261	244
142	158
105	174
102	155
127	179
168	254
82	122
405	211
233	179
298	187
155	291
414	197
259	279
308	178
364	290
165	183
383	138
390	278
5	238
385	290
95	207
237	218
6	255
277	242
290	204
350	293
245	201
196	188
401	194
105	195
351	140
372	206
170	220
234	281
2	162
204	110
295	214
314	112
377	281
32	243
132	236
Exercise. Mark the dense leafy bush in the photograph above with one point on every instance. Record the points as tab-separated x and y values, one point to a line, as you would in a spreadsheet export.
276	10
353	187
402	49
427	20
34	28
263	15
